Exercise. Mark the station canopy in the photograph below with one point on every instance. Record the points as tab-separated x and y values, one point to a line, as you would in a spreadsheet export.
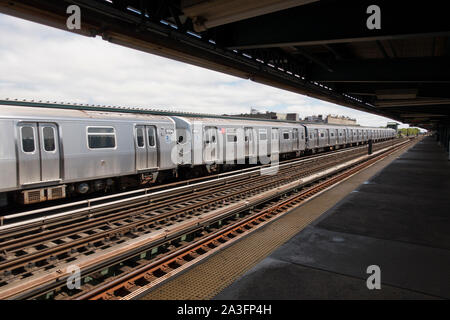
389	58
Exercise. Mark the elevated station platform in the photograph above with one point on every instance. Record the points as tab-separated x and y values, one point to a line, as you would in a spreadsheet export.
393	214
399	220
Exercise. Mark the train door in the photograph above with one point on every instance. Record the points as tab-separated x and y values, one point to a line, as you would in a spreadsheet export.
295	140
146	148
275	145
263	140
248	140
301	139
210	144
285	141
39	155
152	153
50	155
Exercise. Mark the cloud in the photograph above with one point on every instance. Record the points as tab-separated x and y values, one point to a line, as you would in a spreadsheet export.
43	63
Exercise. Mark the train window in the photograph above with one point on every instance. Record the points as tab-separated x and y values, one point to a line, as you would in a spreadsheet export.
140	137
151	136
332	134
180	139
28	139
262	136
303	136
49	139
285	135
322	134
231	138
101	137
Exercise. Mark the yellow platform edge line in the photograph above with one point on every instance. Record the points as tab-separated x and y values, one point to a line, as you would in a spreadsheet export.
210	276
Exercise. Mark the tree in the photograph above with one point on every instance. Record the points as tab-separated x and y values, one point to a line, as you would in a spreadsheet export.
409	131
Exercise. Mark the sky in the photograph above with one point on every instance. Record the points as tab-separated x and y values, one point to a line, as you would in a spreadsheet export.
43	63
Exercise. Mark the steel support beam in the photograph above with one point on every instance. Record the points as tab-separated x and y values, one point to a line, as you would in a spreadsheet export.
407	70
335	22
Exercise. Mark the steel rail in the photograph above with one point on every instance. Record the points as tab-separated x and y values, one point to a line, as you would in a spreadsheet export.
128	282
144	193
374	154
46	221
32	258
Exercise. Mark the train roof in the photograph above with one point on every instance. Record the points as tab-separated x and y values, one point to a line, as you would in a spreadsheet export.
231	121
337	126
81	111
25	112
133	110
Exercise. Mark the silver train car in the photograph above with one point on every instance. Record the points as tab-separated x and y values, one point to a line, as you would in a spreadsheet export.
322	137
52	153
47	153
214	142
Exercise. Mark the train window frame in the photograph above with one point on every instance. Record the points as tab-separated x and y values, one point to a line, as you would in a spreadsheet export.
34	138
137	137
285	135
233	136
262	133
44	138
101	134
149	141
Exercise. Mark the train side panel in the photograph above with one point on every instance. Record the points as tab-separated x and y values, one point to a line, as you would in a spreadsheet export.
85	158
8	172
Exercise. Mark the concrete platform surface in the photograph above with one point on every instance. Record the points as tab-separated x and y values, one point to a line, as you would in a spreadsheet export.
398	220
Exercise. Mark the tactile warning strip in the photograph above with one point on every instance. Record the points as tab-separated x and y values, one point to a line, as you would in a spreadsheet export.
211	276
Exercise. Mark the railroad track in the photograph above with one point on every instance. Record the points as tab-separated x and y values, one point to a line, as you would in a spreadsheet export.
43	209
184	216
139	281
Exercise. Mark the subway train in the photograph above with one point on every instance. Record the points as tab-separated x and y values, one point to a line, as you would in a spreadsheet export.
53	153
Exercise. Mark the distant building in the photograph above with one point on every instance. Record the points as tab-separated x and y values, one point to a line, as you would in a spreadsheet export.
340	120
288	116
330	119
314	118
292	116
256	115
